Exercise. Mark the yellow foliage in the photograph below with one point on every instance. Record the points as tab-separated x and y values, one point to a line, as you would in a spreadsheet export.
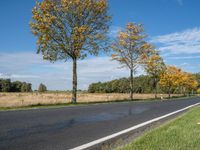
71	28
153	63
129	46
174	78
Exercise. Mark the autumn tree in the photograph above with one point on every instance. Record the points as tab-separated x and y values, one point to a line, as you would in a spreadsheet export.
198	91
197	76
174	78
154	66
170	79
70	29
128	47
189	82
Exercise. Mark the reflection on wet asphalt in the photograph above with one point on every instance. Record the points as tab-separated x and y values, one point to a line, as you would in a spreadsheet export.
54	127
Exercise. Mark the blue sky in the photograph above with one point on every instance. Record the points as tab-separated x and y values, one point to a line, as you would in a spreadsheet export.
172	25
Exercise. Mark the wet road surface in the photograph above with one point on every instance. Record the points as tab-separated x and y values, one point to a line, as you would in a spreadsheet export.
69	127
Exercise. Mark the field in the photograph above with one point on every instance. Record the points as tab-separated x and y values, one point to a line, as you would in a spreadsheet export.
27	99
181	134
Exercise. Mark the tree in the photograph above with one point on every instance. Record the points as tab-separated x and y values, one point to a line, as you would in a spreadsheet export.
70	29
141	85
29	87
128	49
23	87
42	88
1	85
16	86
174	78
197	76
26	87
198	91
154	66
170	79
190	83
5	85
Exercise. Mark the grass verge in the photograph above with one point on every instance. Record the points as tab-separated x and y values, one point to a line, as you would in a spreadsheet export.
38	106
182	133
59	105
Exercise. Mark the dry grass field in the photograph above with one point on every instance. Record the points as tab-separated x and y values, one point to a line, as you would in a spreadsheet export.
27	99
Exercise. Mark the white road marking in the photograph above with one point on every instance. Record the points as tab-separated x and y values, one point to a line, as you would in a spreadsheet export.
82	147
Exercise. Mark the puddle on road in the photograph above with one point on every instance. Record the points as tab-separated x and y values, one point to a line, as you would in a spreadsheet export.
60	125
136	111
103	117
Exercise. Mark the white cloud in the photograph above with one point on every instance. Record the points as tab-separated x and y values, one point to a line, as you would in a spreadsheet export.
183	57
185	42
11	62
184	64
17	76
32	68
114	30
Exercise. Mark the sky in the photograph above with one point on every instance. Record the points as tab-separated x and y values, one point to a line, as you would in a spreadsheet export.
173	26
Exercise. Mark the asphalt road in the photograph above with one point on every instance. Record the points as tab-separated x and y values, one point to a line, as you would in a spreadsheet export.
69	127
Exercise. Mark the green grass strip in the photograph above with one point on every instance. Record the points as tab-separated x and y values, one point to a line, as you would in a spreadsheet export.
181	134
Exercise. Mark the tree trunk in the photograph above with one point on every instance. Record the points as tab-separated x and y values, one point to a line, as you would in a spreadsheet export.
156	92
155	88
181	90
169	95
131	84
74	82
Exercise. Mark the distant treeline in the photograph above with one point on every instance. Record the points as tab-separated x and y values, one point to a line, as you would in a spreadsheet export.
7	86
142	84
